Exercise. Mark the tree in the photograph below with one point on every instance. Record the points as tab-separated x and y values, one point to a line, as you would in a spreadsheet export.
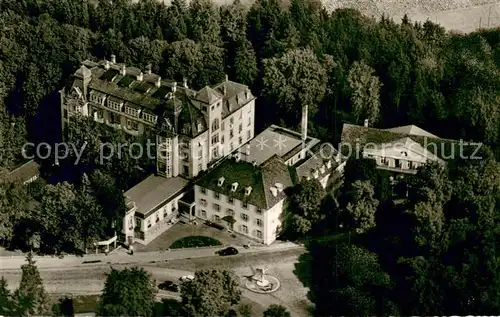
276	311
205	22
31	298
294	80
183	59
362	206
223	287
303	210
245	310
365	91
129	292
245	64
6	304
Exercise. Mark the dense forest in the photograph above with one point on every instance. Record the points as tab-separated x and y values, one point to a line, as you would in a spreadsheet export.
433	253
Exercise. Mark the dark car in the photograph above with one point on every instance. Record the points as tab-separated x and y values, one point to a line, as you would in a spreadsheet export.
228	251
169	286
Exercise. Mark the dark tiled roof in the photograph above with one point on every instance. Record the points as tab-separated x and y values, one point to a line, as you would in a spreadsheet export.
314	163
207	95
260	178
355	137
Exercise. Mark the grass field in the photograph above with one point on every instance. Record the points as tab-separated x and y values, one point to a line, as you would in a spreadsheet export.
195	242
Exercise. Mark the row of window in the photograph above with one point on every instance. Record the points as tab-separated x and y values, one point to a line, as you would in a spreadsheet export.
98	98
244	228
230	200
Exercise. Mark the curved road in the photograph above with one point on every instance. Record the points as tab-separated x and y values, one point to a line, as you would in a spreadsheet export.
89	278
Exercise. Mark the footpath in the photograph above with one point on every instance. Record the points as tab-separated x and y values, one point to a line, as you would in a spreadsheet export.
121	257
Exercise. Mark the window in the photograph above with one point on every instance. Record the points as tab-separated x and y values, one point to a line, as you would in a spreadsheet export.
99	114
240	140
185	156
249	121
244	229
165	211
215	152
114	105
132	125
223	125
230	200
222	139
149	117
114	118
259	222
131	111
157	217
249	134
217	207
186	170
231	147
203	214
149	222
65	115
244	217
258	234
231	120
240	129
230	212
203	202
216	218
215	125
215	139
216	195
200	167
203	190
259	211
231	134
244	204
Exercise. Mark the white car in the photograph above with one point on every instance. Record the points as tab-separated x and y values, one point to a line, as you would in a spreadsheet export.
186	278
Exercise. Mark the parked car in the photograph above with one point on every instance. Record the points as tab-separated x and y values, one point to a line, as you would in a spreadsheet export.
186	278
228	251
169	286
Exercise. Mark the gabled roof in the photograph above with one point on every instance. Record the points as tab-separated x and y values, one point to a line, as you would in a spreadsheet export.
412	130
207	95
155	191
319	159
355	137
24	172
410	145
83	72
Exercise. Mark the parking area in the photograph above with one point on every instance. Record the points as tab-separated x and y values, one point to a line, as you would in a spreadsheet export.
182	230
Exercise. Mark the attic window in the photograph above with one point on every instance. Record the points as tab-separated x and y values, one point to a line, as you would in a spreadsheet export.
234	186
274	191
329	164
316	174
248	190
220	181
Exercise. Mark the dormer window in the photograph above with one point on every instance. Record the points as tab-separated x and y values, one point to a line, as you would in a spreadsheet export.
234	186
149	117
246	94
248	190
200	127
329	164
274	191
131	111
316	174
322	169
220	181
215	125
279	187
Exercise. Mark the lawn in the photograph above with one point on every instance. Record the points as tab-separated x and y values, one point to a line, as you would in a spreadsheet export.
195	242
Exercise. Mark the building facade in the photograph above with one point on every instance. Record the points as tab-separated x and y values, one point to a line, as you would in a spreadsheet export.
190	129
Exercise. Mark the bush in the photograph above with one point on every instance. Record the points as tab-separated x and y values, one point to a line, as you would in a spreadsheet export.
195	242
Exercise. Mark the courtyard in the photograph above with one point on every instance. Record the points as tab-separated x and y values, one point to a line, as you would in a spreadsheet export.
182	230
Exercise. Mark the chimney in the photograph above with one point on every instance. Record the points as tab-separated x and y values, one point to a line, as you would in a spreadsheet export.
113	59
106	65
148	69
366	123
274	191
304	123
124	70
158	82
227	78
174	87
139	77
185	82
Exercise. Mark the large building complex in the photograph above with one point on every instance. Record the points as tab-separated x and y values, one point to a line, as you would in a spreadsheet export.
191	129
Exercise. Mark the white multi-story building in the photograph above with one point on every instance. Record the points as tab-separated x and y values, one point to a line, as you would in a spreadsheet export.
245	197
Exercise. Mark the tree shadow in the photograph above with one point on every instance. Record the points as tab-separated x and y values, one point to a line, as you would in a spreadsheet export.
64	307
303	271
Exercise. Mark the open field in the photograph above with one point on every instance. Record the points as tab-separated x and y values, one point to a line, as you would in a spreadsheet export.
458	15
